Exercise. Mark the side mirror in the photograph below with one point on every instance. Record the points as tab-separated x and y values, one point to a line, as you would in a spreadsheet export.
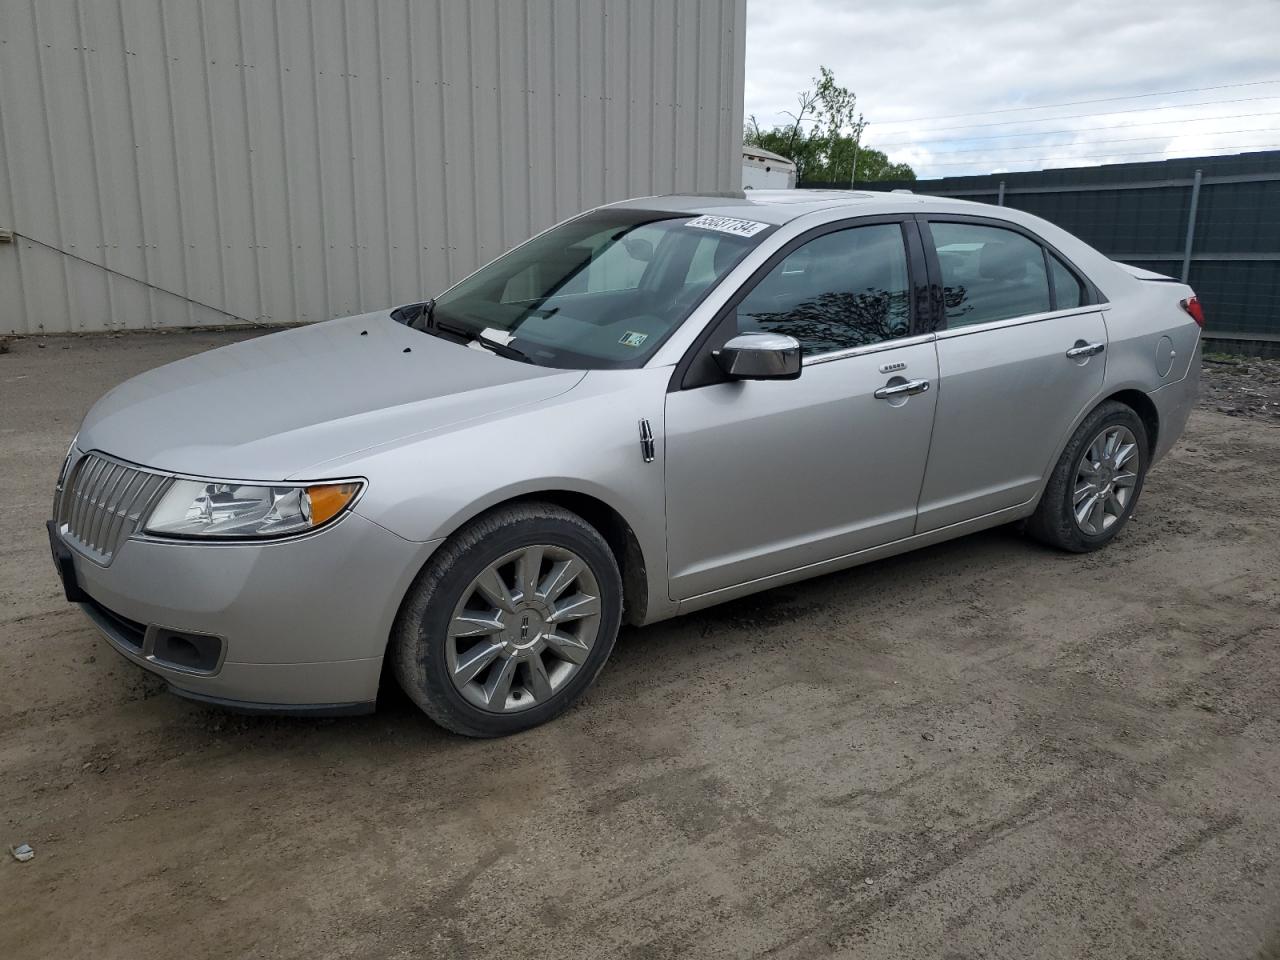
760	356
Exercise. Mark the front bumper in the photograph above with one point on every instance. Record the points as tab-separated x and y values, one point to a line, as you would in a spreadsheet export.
295	626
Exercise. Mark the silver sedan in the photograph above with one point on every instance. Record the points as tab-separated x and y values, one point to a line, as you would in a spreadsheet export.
648	409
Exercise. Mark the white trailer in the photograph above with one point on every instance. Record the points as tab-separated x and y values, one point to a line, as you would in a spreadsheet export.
765	170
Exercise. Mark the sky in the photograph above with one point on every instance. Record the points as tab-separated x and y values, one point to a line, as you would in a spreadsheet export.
939	82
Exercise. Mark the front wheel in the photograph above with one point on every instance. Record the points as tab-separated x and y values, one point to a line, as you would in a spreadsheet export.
1096	483
509	622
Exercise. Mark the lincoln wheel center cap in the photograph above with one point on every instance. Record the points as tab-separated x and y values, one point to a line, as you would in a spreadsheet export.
525	629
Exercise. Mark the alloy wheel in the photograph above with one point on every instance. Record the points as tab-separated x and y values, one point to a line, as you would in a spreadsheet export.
523	628
1105	480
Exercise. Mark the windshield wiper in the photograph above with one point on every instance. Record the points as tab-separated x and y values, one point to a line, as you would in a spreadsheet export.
474	336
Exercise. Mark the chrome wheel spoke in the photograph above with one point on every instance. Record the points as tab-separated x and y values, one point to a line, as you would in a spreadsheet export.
567	647
494	590
1083	490
1094	456
1114	503
473	663
498	688
1083	511
560	578
575	608
1109	444
1123	455
1097	513
528	570
469	624
539	681
1125	480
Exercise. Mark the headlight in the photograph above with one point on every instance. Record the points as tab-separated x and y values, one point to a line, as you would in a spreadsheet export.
200	508
66	462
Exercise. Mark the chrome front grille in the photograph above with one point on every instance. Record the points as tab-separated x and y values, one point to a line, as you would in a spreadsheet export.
101	503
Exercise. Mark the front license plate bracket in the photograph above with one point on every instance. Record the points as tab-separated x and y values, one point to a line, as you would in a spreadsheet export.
65	564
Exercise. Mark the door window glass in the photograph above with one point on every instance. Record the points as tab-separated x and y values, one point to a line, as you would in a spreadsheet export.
1066	285
989	273
840	290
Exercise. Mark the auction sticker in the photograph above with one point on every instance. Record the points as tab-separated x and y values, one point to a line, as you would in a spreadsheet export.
633	339
739	228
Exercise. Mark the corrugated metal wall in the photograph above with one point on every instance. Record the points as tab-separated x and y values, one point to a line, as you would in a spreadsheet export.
185	162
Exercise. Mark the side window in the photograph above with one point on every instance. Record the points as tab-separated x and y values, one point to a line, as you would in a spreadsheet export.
989	273
839	290
1067	292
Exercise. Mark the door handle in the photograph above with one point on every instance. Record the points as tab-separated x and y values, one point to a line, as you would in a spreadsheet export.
908	389
1085	350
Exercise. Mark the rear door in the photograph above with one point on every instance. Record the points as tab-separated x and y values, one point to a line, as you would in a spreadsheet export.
1021	354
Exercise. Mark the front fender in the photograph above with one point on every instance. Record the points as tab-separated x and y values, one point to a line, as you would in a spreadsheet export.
585	441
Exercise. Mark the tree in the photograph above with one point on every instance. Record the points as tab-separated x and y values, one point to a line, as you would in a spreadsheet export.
830	149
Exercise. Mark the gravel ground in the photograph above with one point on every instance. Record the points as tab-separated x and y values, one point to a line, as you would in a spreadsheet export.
1242	387
982	749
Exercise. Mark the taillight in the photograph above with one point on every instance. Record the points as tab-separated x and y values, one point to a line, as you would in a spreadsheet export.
1193	308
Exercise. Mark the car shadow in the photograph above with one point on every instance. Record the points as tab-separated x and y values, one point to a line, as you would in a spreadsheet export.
398	720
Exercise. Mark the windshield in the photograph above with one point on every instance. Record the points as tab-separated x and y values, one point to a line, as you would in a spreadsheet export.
601	291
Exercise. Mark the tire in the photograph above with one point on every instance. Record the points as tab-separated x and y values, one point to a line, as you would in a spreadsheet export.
550	641
1054	521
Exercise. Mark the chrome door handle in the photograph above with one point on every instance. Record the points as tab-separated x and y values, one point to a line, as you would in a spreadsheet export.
908	389
1085	350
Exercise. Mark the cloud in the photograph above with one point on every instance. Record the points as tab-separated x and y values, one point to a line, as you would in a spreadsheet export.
931	59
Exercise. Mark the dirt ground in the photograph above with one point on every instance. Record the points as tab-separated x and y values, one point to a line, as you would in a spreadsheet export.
983	749
1242	386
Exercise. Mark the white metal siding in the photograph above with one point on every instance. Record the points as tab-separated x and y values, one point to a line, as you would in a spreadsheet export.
186	162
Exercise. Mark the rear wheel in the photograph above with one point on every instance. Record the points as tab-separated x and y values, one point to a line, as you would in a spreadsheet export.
509	622
1096	483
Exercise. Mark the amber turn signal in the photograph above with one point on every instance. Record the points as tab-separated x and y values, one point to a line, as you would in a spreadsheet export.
329	500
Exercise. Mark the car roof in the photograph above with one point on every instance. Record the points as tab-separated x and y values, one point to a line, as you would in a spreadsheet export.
777	207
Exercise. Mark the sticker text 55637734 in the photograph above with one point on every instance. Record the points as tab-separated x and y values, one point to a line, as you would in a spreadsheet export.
739	228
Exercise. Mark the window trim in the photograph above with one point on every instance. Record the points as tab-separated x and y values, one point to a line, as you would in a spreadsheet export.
917	288
1092	296
910	340
952	332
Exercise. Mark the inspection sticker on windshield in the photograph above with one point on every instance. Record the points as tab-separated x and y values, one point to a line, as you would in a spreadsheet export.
631	339
739	228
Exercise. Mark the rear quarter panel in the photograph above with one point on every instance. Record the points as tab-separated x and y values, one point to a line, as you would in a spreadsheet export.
1138	315
1152	347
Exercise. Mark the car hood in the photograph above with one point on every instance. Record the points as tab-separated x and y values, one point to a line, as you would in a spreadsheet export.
273	407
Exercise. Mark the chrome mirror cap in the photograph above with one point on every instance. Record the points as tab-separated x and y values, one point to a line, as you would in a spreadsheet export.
760	356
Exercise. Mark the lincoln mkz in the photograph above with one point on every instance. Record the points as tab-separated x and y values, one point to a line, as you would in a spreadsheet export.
650	408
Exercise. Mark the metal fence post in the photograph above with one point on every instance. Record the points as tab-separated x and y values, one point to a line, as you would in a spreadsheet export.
1191	227
1000	195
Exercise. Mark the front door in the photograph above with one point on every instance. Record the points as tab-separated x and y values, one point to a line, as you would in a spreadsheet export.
769	476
